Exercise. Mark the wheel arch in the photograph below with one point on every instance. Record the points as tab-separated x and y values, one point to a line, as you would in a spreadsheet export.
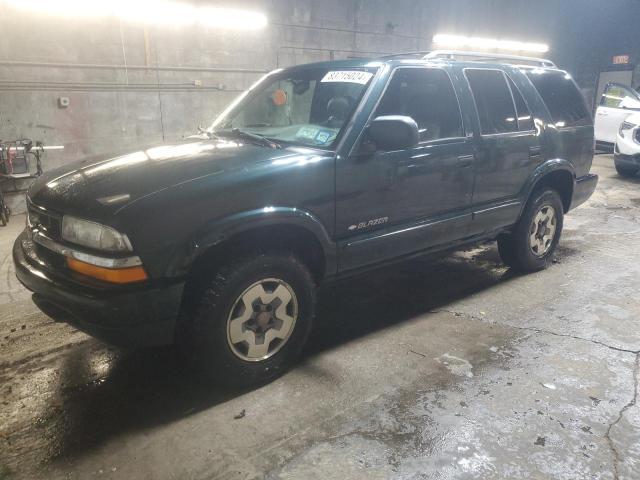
558	174
271	228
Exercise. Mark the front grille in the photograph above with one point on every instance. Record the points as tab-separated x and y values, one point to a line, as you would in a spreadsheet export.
50	224
52	261
637	135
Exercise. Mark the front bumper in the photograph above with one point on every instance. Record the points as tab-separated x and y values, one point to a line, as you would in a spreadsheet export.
583	189
628	161
133	316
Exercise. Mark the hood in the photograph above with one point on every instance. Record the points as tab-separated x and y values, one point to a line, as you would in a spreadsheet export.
98	189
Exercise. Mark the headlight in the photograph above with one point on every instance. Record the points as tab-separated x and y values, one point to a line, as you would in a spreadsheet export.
94	235
624	127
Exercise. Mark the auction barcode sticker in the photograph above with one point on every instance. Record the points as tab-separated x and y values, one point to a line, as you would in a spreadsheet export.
350	76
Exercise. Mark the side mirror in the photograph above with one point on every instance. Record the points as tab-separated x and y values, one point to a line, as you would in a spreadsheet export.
394	132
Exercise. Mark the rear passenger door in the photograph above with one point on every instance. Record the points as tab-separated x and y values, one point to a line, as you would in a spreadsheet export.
508	148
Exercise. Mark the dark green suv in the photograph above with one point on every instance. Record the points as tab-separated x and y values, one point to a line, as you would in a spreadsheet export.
317	172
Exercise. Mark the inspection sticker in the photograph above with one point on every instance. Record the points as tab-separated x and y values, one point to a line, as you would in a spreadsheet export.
323	136
307	132
349	76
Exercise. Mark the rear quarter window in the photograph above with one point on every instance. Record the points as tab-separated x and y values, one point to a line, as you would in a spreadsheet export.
563	99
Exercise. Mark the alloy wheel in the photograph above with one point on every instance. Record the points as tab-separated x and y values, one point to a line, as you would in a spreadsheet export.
262	319
543	230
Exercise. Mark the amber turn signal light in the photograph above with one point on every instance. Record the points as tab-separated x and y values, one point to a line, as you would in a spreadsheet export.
111	275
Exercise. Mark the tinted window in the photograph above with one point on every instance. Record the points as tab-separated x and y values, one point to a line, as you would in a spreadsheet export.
525	120
427	96
562	97
617	96
493	99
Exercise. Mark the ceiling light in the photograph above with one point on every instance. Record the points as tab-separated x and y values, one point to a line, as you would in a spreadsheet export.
489	43
162	12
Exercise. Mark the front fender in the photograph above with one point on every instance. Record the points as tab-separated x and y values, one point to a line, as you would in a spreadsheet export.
220	230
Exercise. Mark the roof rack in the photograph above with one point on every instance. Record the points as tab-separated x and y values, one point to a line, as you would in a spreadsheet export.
488	57
419	54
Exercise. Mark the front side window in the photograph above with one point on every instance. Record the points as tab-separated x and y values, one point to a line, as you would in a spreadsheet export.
307	107
618	96
493	98
427	96
562	97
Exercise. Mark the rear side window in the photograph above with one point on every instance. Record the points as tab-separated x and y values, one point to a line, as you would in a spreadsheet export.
494	101
563	99
525	120
427	96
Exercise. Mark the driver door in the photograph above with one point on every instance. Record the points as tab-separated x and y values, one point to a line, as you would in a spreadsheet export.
393	203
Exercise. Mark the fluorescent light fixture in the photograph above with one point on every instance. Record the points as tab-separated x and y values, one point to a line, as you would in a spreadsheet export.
162	12
489	43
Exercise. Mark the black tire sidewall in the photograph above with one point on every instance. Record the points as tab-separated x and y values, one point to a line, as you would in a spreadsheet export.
525	259
506	249
625	170
213	353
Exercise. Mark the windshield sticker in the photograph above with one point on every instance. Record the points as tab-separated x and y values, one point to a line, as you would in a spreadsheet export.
323	136
307	132
348	76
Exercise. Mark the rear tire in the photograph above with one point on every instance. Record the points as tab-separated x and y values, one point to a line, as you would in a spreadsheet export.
533	241
626	171
252	320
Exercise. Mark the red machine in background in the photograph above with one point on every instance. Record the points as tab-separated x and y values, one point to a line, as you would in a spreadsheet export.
19	159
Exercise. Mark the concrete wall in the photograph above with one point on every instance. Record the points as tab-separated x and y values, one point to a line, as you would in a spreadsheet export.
129	84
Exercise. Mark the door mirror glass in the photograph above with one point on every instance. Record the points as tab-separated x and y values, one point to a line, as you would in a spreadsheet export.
394	132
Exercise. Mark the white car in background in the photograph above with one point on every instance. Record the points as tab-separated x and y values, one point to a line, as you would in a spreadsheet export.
627	148
616	104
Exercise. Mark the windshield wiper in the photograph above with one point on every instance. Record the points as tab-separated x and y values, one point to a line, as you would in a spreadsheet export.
250	137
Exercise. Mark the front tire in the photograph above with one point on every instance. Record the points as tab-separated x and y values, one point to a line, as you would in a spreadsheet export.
532	243
253	319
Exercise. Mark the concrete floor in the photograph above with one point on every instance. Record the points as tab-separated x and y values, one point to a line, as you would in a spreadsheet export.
453	369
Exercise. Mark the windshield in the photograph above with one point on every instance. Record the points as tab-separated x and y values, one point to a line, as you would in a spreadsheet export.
308	107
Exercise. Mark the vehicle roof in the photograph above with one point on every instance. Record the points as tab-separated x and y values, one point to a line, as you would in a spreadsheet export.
409	61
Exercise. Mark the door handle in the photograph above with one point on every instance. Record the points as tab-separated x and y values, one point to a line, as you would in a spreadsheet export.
465	160
602	114
535	153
